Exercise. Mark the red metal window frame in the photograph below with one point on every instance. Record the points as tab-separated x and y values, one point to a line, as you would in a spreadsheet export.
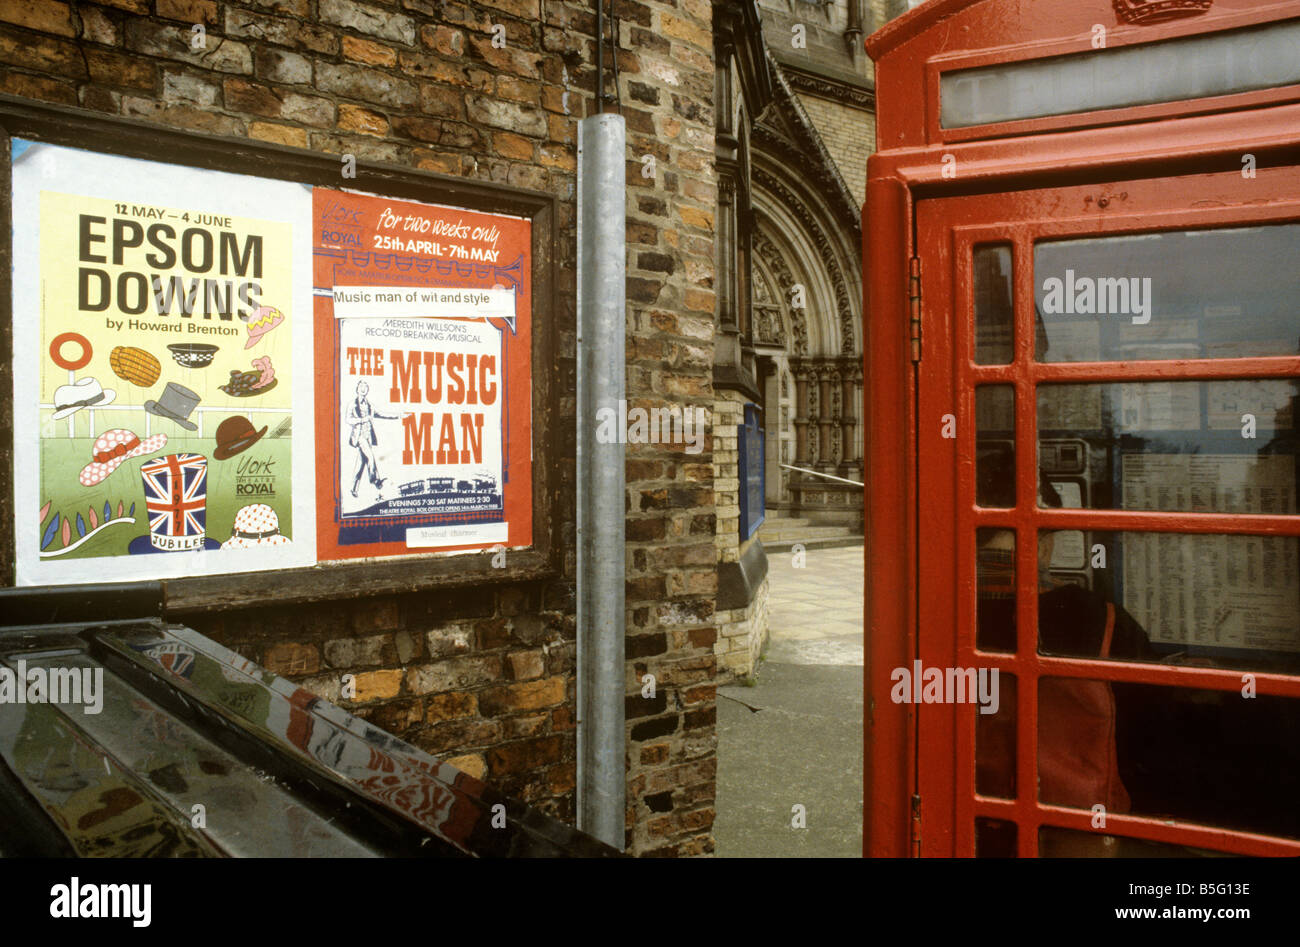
1118	37
948	231
1146	142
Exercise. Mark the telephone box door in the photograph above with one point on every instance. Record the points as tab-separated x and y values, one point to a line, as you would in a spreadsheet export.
1109	575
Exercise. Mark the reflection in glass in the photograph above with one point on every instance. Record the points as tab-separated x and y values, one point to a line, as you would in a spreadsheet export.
994	317
995	589
995	448
1204	756
1228	293
1054	842
1182	598
995	744
1172	446
994	838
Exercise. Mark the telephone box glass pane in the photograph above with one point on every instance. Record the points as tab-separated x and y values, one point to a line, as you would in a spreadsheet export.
1054	842
1190	67
995	446
995	589
1186	446
1177	598
994	316
995	743
1207	756
994	838
1226	293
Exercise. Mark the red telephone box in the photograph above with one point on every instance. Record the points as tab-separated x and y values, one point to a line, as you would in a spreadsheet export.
1083	358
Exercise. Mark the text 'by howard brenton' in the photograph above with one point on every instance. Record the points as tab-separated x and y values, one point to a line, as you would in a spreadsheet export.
934	685
55	685
1083	295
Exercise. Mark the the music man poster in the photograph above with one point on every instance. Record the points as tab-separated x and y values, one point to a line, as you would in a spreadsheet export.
424	377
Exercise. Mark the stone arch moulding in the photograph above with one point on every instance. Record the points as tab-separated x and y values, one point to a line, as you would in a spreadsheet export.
790	252
773	322
791	215
774	272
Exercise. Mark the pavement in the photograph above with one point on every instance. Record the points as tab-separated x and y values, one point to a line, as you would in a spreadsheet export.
795	737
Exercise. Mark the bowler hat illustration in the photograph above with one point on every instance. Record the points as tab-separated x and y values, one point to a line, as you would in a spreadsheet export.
176	403
236	435
83	393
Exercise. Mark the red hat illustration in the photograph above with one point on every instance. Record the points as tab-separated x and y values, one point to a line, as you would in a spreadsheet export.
114	448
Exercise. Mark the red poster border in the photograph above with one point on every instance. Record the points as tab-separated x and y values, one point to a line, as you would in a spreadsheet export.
348	218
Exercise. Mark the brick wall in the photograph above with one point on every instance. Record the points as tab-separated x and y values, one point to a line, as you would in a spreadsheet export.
482	676
667	93
742	632
849	135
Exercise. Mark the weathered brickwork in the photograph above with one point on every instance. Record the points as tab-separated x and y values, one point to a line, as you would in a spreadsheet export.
728	416
742	632
849	135
481	676
667	94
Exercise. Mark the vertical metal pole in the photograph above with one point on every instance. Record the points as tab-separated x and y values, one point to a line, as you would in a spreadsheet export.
602	307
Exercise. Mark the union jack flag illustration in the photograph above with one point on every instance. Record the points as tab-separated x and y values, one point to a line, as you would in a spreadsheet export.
175	494
174	656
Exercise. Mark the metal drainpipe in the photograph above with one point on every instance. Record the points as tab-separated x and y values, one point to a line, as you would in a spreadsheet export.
602	238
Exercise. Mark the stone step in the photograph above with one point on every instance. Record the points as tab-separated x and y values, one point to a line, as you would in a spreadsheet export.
781	532
827	542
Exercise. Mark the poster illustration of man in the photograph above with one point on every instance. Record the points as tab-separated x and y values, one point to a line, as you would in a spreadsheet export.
424	346
360	418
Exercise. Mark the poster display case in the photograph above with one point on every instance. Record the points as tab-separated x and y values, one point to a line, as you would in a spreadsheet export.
253	362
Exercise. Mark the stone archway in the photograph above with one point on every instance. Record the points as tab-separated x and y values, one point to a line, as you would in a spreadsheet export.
810	355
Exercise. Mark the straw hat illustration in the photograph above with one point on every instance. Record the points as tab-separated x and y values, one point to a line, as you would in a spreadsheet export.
114	448
236	435
83	393
135	365
255	525
176	403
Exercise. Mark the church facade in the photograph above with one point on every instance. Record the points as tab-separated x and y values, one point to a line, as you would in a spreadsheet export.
795	125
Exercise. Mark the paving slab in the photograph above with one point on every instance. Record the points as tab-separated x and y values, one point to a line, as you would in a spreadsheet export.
795	737
801	745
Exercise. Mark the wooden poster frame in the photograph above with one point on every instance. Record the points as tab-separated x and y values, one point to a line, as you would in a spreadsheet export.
78	128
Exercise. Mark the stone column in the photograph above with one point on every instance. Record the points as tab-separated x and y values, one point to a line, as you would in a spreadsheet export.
825	418
848	418
801	418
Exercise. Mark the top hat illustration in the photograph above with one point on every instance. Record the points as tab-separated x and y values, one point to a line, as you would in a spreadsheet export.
176	502
83	393
236	435
176	404
262	321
